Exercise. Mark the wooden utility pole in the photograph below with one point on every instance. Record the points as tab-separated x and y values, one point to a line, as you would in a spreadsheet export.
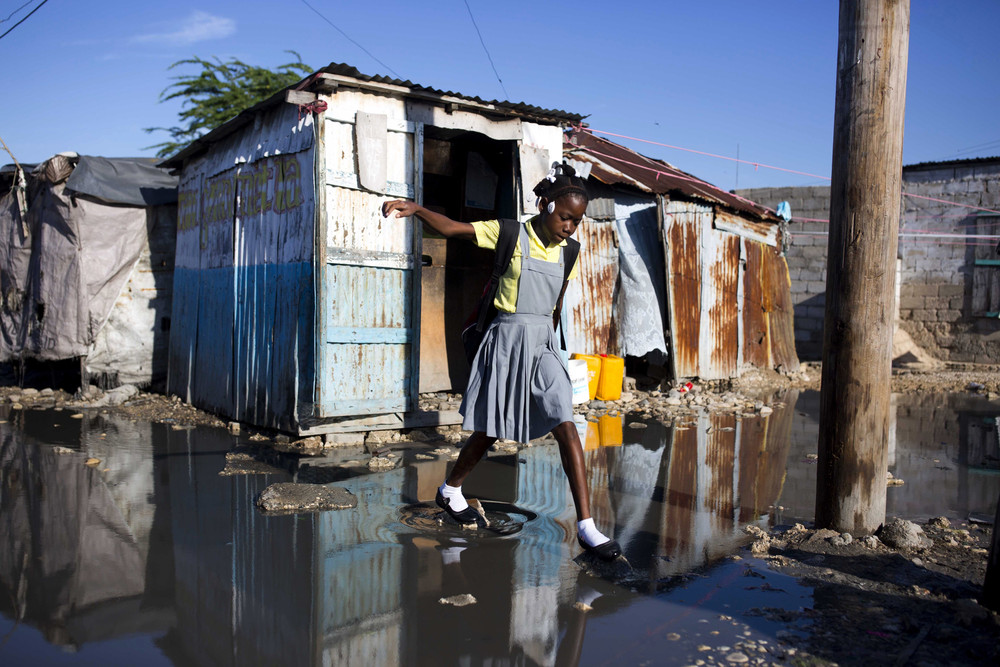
861	264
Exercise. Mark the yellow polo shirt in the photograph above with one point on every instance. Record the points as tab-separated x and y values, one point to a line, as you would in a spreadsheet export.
487	234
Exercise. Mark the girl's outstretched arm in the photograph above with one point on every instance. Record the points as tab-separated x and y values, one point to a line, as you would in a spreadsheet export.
441	224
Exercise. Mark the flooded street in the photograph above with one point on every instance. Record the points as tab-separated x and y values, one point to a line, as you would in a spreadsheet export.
125	545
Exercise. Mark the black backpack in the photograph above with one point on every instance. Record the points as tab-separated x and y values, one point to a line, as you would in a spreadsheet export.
479	321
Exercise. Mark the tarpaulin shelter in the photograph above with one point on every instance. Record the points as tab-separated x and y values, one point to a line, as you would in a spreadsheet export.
85	264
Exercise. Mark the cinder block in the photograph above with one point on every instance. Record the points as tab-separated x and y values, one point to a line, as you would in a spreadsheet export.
925	315
817	312
344	439
911	302
956	303
949	315
951	290
816	287
905	314
924	289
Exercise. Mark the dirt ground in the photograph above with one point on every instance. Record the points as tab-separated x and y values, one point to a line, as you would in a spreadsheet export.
873	604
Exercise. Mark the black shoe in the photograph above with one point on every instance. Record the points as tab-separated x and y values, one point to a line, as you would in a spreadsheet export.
466	516
609	550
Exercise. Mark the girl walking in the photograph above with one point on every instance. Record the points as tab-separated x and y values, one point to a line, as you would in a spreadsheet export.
519	388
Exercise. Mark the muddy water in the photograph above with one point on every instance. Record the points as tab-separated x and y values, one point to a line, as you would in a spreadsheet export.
149	556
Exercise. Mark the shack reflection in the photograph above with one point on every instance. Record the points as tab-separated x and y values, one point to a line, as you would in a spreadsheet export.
155	541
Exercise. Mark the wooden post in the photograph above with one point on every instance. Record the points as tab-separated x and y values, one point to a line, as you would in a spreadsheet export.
861	264
991	585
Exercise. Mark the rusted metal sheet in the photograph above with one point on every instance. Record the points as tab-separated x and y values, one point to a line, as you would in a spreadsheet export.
683	226
781	313
756	337
761	232
589	301
719	343
616	164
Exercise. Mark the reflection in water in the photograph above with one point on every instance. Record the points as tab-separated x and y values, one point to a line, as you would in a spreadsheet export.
84	558
153	541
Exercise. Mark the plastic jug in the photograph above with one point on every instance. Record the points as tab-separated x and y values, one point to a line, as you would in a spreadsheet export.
578	376
593	371
609	386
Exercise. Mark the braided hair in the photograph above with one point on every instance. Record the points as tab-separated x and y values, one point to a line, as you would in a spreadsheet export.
562	180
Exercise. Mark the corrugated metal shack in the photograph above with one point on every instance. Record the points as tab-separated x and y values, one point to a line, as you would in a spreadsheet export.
296	305
676	268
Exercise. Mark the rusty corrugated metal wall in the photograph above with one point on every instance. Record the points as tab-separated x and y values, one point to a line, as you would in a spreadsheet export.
684	224
589	301
728	292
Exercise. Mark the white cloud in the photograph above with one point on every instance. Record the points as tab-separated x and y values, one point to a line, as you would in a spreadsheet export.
198	27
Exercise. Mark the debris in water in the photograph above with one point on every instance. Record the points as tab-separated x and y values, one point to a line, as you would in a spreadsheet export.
459	600
92	462
582	606
289	497
478	506
381	463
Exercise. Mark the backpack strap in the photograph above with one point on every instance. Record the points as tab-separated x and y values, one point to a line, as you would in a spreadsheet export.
570	254
506	241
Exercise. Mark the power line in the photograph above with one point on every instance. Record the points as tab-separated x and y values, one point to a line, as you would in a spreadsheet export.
347	37
16	11
24	19
506	94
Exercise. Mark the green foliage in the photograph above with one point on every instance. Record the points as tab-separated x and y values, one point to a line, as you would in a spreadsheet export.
218	92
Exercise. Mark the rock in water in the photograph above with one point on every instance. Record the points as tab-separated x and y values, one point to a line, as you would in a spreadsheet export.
459	600
288	497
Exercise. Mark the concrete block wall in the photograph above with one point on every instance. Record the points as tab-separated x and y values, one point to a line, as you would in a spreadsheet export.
936	286
806	259
937	262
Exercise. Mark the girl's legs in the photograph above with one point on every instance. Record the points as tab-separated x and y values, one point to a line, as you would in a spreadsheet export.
474	449
571	452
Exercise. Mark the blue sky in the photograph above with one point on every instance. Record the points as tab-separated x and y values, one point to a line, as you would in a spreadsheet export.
711	76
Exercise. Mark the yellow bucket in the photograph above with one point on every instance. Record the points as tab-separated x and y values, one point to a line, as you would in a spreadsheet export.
593	371
609	386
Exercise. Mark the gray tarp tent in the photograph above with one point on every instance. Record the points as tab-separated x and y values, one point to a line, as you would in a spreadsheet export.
86	272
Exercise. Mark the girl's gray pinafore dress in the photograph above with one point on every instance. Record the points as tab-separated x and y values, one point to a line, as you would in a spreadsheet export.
519	388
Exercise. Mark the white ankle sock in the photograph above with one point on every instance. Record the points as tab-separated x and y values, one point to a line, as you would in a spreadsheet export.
452	555
588	533
453	494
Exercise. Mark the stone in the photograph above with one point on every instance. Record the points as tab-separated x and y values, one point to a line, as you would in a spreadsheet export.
902	534
115	396
459	600
381	463
737	657
343	439
290	497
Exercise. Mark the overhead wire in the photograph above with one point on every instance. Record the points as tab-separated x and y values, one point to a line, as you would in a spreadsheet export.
760	164
16	11
26	17
348	38
481	41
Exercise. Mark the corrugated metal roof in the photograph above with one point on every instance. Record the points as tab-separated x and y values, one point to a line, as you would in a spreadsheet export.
520	109
952	163
342	74
615	164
